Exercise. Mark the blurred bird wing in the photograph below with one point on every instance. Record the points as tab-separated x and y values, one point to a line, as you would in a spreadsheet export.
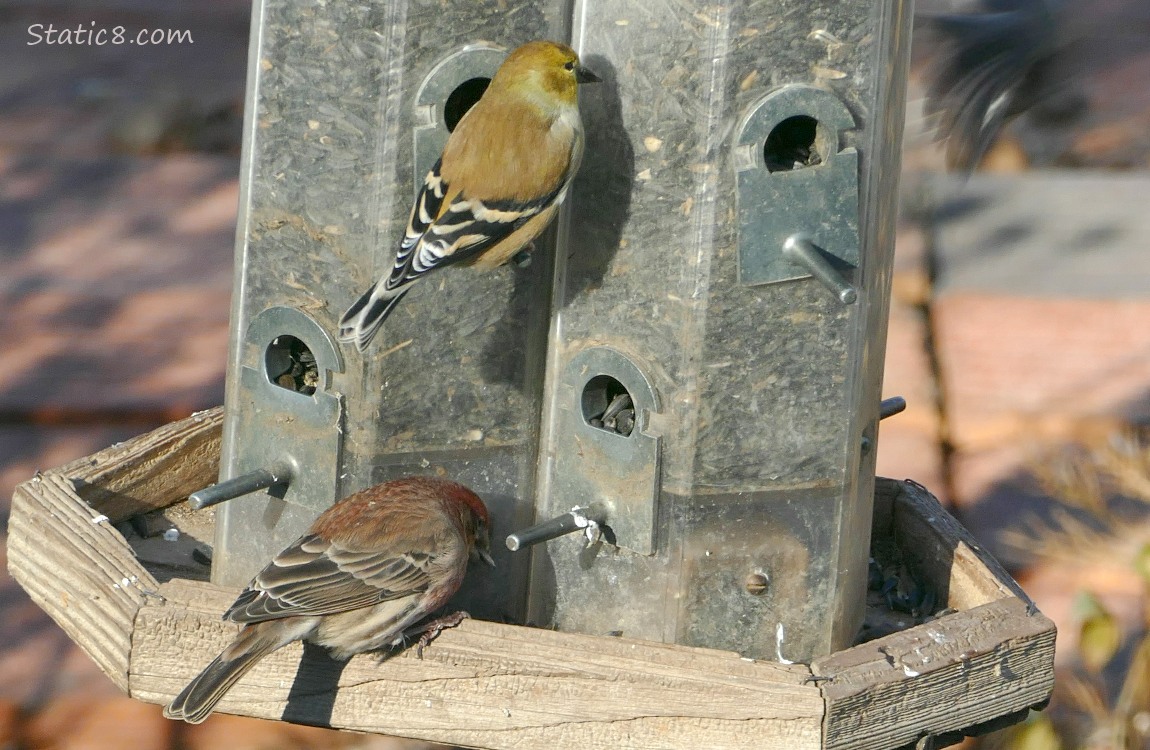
447	226
973	111
314	577
981	62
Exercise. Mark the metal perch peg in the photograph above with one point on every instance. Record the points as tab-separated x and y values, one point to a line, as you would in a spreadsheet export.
576	519
891	406
260	479
801	250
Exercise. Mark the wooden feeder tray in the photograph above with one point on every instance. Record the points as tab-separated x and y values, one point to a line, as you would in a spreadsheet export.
146	614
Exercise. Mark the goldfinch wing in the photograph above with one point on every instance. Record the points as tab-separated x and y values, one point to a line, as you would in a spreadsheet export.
446	227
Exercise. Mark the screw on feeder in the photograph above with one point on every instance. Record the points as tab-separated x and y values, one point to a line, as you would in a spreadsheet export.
756	583
576	519
799	248
260	479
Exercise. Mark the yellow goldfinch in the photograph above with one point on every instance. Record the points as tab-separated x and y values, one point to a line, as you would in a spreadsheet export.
502	175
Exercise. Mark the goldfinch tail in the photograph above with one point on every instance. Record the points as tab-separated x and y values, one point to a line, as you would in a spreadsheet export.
362	320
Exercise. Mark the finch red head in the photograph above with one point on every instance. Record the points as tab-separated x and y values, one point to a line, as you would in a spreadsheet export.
369	568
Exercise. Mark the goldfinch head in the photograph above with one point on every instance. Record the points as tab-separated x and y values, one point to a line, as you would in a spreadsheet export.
544	69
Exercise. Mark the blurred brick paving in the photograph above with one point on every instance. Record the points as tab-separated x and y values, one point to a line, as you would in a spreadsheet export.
1014	351
1018	319
118	191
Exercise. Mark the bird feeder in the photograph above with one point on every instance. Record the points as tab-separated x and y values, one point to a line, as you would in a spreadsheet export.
144	610
693	361
687	374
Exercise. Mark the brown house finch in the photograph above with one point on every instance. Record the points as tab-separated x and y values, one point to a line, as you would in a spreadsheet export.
370	567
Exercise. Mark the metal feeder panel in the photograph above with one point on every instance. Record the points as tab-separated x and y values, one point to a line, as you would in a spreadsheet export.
300	476
347	107
734	503
733	278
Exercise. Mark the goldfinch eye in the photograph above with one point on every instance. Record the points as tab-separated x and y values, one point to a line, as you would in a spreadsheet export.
569	65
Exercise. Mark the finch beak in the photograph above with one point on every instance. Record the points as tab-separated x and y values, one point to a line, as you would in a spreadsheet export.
584	75
485	556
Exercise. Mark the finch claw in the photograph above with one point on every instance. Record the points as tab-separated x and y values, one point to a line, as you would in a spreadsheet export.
432	629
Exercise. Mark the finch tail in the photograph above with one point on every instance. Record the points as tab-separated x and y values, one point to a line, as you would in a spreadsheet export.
197	701
362	320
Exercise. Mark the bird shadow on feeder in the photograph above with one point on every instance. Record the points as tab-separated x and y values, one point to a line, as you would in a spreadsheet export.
601	193
502	358
314	689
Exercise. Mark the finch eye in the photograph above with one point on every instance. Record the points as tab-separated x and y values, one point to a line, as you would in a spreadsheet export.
569	65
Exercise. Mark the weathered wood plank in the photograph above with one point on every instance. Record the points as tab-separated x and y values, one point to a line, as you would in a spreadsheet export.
152	470
501	686
78	569
944	676
992	658
498	686
962	572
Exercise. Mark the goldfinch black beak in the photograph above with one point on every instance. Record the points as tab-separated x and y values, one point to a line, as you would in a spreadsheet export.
485	556
585	75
